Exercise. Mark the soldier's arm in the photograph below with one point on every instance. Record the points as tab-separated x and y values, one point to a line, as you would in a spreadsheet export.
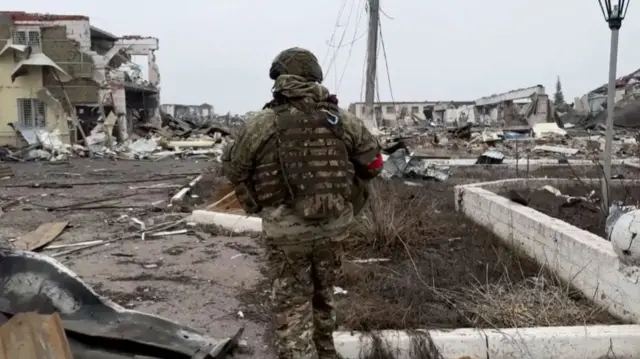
238	158
365	152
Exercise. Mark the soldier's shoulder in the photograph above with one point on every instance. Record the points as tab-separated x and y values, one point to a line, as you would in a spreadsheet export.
348	116
260	120
350	121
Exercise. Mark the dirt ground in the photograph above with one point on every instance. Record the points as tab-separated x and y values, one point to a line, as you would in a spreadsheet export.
190	279
582	214
438	269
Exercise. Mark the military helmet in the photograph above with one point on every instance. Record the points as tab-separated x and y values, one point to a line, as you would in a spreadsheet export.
296	61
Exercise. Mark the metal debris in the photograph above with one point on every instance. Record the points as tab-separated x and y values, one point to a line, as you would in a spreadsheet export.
491	157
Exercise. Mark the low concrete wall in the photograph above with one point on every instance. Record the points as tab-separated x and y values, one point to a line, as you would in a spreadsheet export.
523	163
590	342
579	257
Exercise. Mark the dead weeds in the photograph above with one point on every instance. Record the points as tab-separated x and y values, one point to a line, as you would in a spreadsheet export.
531	302
441	270
421	347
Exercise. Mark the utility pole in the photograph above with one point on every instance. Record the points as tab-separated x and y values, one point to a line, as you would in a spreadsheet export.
611	103
372	66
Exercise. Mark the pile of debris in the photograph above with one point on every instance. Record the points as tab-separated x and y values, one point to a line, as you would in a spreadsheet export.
171	138
542	140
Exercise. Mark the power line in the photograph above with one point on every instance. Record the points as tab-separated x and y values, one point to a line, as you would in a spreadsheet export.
384	13
386	64
364	72
377	83
335	29
353	41
344	33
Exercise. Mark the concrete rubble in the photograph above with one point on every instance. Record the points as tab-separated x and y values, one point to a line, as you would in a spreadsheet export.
518	124
540	141
171	137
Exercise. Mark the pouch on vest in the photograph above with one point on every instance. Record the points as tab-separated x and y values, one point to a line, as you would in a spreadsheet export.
246	199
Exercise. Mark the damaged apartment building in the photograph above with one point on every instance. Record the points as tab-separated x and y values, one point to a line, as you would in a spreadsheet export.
521	107
59	73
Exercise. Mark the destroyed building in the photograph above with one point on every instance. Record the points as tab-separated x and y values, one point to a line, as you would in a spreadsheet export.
197	113
56	69
521	107
590	110
595	100
454	112
389	113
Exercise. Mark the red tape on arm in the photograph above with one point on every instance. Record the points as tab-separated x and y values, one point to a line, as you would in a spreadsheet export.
377	163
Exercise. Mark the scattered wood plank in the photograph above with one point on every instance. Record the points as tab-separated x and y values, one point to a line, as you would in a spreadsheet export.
226	197
34	336
41	236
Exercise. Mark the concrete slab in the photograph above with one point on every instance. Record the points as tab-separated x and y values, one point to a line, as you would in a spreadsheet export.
233	222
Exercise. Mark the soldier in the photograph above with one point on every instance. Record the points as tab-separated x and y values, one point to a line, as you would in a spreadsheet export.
302	164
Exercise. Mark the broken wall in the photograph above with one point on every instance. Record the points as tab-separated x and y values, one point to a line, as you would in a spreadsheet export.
68	55
24	87
460	114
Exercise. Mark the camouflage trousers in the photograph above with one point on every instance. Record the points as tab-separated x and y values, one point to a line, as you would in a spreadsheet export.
302	277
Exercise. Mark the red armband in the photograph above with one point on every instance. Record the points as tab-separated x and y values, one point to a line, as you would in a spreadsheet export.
377	163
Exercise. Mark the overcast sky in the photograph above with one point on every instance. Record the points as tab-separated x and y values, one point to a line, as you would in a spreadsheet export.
219	51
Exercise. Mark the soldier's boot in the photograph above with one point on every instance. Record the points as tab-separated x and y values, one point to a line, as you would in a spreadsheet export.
325	347
328	355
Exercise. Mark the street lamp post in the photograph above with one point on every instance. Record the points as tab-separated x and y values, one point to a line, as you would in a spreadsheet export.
613	15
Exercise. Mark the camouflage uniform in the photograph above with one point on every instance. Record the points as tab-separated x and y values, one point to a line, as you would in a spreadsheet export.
304	257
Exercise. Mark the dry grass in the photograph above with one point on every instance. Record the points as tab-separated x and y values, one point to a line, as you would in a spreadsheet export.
384	225
444	271
421	347
531	302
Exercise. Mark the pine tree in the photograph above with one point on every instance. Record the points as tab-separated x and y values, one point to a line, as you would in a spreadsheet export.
558	97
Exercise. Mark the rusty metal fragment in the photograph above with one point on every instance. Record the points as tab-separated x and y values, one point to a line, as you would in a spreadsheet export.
34	336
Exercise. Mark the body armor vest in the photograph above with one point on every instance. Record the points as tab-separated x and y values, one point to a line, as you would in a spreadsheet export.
311	171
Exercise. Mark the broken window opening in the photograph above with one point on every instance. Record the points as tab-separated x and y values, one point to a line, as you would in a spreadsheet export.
33	38
415	109
20	37
32	113
27	37
390	109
